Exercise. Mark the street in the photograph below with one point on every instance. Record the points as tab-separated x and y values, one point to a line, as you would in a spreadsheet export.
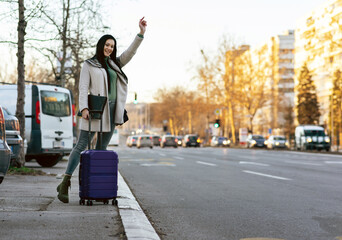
216	193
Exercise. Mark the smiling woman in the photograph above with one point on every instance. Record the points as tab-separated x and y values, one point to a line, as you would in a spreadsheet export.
108	47
101	75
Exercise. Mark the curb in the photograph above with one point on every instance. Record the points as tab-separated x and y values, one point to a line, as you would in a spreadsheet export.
133	218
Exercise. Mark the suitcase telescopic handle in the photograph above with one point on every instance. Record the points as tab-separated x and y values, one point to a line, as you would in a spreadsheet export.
89	121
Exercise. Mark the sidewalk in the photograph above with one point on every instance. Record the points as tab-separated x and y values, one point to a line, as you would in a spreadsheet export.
29	209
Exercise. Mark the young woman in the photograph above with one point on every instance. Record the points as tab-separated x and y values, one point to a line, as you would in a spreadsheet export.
101	75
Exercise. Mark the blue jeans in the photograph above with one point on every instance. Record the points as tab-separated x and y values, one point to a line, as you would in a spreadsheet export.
82	142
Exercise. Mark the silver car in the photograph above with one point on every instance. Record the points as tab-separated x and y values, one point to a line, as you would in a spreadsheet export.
13	138
169	141
132	141
145	141
5	151
277	142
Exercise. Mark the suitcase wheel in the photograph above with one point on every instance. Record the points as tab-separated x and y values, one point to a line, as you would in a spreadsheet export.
115	202
89	203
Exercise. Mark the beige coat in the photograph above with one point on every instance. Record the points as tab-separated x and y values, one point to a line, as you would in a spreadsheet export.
93	80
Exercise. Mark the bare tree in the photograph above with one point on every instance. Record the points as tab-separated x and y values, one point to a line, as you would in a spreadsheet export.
20	113
71	27
252	75
25	15
183	110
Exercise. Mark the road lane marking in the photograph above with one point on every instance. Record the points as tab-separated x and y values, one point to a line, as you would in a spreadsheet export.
180	158
332	162
255	163
205	163
162	154
266	175
161	164
262	239
303	163
136	160
315	154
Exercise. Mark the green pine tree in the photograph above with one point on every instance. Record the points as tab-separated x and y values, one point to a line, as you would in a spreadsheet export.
307	103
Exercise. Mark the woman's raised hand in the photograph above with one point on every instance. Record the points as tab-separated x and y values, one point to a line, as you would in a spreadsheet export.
142	26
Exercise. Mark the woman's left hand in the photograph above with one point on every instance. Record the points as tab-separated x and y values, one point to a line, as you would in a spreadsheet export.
142	26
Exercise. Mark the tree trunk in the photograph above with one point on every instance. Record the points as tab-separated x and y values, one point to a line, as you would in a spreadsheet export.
231	120
66	15
21	80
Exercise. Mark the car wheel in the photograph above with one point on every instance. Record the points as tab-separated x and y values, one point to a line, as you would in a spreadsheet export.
1	179
48	161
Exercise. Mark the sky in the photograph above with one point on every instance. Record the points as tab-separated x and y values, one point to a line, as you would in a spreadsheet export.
177	30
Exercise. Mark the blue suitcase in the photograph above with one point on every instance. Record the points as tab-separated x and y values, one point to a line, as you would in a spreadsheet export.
98	173
98	176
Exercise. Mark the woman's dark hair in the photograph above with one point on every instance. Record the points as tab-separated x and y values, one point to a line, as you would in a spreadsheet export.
101	57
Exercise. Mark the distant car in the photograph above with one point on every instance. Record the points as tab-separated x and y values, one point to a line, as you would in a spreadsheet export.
144	141
179	140
277	142
255	140
168	141
191	140
219	142
132	141
5	151
13	138
156	140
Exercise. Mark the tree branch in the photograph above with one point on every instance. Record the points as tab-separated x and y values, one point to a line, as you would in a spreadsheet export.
14	43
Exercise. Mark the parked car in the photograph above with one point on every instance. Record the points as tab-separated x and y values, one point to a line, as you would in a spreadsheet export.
277	142
132	141
5	151
308	137
144	141
13	138
255	140
191	140
49	121
168	141
217	141
180	140
156	140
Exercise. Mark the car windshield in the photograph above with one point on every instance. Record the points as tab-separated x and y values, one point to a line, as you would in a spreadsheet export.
55	103
257	137
222	138
314	133
279	138
193	138
6	112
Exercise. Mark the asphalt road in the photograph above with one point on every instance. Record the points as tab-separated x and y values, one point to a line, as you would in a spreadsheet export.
216	193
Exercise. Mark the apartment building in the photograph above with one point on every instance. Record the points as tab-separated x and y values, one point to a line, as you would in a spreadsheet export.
318	43
278	52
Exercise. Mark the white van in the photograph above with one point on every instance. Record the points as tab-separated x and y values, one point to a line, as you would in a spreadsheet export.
310	137
49	121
